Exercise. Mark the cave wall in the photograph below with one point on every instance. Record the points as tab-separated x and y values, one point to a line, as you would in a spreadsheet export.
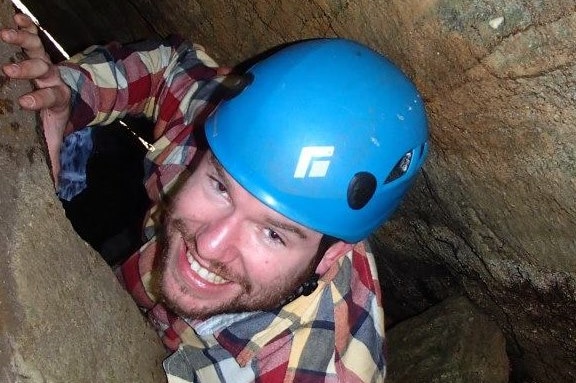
63	315
493	214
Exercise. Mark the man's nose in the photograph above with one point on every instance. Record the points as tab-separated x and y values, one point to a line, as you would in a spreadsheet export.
218	239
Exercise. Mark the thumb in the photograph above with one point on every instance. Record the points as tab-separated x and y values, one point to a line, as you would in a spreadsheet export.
54	147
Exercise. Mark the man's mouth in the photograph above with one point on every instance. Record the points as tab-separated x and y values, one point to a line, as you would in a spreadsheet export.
203	272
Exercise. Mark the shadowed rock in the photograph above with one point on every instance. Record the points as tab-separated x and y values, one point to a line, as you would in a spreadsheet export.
450	342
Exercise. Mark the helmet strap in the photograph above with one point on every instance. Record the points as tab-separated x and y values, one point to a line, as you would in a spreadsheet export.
306	288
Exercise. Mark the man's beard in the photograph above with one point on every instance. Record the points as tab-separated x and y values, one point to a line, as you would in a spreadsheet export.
266	298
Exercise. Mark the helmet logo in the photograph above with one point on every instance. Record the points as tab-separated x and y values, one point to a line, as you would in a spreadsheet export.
313	161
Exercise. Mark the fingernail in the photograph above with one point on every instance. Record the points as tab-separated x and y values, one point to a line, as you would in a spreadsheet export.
27	101
12	69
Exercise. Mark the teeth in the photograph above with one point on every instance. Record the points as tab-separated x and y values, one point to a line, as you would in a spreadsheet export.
204	273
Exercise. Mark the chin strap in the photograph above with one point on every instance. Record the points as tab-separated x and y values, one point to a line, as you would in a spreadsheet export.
305	289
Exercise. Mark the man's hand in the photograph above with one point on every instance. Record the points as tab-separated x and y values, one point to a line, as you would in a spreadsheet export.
52	97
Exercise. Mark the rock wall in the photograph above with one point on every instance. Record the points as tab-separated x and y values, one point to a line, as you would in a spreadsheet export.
450	342
63	315
493	215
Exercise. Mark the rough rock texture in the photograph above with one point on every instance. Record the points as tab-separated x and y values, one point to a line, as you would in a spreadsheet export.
451	342
494	214
63	315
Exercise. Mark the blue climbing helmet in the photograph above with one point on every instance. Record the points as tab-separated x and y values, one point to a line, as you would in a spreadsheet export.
328	133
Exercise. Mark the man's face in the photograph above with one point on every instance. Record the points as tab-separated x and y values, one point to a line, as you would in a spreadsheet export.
227	252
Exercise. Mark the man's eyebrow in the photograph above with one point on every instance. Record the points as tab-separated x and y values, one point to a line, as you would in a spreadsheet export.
288	227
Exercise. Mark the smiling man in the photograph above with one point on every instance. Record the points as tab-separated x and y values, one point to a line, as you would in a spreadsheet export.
264	184
227	252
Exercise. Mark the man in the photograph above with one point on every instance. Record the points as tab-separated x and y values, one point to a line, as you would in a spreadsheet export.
254	269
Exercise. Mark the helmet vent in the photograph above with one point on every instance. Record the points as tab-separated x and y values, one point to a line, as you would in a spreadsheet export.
400	168
361	189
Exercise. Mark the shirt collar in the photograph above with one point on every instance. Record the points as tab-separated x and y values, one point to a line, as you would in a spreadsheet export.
245	334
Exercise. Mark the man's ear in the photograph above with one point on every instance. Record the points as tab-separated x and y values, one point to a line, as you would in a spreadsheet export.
332	255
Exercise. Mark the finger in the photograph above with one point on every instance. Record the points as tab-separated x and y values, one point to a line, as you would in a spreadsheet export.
32	45
30	42
26	23
223	71
27	69
53	144
8	35
25	36
46	98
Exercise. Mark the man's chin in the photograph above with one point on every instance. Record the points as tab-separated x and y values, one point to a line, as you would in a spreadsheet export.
176	308
184	307
187	307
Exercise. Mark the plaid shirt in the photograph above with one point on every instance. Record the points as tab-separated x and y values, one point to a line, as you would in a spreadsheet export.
336	334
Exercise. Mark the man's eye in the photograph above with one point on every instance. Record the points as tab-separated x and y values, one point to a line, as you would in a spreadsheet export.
275	237
218	186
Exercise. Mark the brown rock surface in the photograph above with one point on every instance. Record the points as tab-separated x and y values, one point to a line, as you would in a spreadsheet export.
494	214
63	315
450	342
